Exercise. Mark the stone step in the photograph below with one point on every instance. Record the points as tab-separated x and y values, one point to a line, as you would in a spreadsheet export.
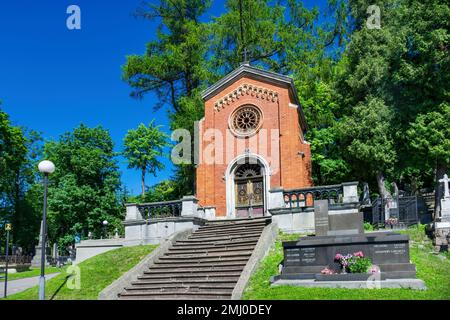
223	238
194	251
197	265
205	260
235	222
199	256
216	243
205	271
202	262
207	265
215	276
224	227
185	282
217	227
206	246
231	230
175	295
178	287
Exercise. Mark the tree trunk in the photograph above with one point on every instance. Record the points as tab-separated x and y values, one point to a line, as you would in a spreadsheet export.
414	187
440	170
384	193
143	184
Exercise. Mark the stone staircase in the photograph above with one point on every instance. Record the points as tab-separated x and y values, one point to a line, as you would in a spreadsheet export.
206	265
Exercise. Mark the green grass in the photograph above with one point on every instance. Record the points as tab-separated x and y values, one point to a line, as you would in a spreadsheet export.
96	274
434	269
33	272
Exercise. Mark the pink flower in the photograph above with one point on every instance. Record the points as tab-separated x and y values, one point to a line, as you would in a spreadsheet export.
374	269
327	271
359	254
338	256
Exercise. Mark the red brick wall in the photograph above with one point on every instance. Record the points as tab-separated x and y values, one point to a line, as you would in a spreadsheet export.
294	170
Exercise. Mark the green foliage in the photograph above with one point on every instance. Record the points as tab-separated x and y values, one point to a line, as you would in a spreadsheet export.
404	65
19	151
429	135
96	274
359	265
368	226
172	66
84	188
143	148
162	191
367	135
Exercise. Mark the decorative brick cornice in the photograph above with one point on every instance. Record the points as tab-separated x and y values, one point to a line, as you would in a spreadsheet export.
246	89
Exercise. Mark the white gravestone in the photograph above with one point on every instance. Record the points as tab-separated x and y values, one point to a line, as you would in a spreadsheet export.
445	201
442	222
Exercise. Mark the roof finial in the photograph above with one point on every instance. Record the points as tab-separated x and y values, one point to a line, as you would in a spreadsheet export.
246	60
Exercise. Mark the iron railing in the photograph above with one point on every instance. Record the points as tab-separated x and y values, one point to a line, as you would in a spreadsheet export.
16	259
305	197
404	214
162	209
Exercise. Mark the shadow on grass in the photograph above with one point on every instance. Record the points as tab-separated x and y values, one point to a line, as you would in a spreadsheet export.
60	287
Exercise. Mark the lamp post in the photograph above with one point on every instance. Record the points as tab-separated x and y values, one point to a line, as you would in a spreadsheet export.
105	225
46	167
8	228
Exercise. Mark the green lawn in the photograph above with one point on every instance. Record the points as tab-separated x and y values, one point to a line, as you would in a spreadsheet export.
434	269
96	274
33	272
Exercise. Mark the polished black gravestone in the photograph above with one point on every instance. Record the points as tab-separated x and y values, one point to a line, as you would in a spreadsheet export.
321	222
344	221
307	257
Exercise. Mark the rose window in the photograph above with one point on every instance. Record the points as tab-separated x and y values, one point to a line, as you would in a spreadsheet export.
246	120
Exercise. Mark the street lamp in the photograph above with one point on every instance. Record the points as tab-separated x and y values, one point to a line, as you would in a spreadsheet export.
46	167
105	225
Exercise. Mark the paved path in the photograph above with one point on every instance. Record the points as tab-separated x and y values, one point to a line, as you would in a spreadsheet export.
15	286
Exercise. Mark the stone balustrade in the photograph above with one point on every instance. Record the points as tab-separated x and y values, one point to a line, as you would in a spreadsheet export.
293	209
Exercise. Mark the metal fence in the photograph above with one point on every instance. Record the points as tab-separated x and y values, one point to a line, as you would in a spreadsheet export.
15	259
398	212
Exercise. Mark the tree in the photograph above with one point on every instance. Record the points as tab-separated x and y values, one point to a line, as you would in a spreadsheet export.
282	36
173	64
84	189
368	137
143	148
430	139
27	194
13	157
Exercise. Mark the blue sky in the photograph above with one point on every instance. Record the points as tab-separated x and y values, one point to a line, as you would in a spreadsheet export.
52	79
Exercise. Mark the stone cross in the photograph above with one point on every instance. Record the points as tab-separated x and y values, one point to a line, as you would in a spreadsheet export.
445	180
245	55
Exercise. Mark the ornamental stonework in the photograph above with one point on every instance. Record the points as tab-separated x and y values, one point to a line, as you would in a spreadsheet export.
246	120
246	89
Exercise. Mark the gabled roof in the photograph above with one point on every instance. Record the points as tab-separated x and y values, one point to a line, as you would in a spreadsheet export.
258	74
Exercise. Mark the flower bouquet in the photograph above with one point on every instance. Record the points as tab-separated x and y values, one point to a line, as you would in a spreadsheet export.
353	263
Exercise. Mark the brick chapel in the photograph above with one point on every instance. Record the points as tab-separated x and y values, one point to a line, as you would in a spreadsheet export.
251	142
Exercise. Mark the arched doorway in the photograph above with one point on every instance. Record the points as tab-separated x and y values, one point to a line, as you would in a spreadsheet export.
239	173
249	190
